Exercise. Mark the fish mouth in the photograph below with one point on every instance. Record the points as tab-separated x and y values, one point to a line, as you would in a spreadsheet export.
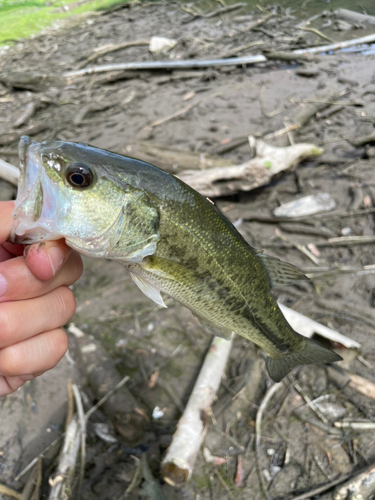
36	203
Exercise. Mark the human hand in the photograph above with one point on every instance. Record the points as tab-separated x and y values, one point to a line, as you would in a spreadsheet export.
34	302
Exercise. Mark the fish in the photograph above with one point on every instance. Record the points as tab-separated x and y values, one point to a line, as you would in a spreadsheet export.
169	238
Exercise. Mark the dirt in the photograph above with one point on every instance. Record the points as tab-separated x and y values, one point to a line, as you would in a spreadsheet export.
298	450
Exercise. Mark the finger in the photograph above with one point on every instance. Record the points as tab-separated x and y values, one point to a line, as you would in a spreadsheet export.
37	354
4	254
14	273
21	320
45	259
10	384
6	209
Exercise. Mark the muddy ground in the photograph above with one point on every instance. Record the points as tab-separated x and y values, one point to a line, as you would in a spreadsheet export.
162	350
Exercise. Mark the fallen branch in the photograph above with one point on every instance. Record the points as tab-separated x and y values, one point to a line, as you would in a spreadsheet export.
257	172
61	483
178	464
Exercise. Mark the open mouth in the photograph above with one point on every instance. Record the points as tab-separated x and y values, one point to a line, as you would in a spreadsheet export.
35	207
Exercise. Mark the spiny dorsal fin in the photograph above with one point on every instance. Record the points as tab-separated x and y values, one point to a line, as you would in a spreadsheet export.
281	273
312	353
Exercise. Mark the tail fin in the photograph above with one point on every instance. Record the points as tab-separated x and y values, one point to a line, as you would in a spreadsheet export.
311	353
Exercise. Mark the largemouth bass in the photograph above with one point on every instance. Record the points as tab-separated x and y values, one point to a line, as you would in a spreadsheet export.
169	238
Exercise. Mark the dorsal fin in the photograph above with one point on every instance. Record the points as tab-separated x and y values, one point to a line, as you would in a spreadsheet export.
281	273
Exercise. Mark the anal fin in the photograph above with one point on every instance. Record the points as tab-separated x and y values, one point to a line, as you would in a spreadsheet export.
218	331
148	289
281	273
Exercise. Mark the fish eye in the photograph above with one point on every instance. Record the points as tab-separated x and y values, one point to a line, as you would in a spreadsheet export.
79	175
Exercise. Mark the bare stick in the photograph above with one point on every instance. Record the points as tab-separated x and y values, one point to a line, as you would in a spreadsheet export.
82	423
8	172
307	327
178	463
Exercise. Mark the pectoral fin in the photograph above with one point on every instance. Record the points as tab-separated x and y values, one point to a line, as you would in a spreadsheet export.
148	289
281	273
312	353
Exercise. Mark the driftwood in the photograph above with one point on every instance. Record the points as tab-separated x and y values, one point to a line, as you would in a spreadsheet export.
178	463
352	17
268	162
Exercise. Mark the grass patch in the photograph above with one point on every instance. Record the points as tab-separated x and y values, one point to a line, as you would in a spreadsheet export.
24	18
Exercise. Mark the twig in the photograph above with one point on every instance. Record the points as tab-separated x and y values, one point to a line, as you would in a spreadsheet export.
359	426
351	240
224	10
321	489
8	172
261	104
178	463
102	51
313	30
5	490
106	397
258	431
82	423
310	403
181	112
336	46
134	480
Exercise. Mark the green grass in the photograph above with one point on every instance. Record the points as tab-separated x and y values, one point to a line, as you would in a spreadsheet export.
24	18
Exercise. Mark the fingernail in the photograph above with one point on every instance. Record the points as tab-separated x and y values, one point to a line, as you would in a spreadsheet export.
3	285
55	258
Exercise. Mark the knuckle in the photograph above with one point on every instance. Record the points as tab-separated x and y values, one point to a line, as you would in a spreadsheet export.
6	323
64	303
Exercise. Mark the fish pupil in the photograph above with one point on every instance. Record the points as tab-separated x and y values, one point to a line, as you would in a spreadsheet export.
79	176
